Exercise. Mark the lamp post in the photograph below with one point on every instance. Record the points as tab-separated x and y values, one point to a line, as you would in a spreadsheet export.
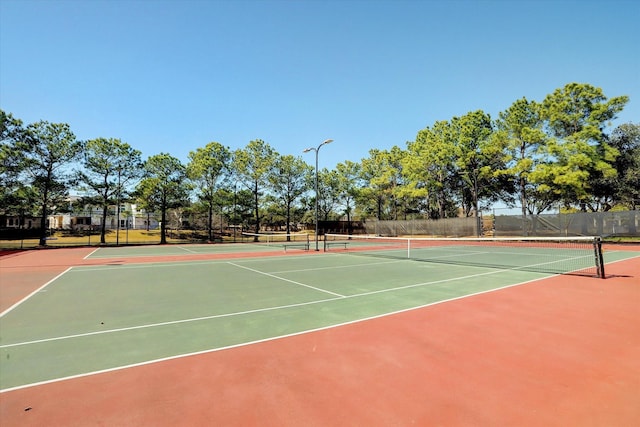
317	149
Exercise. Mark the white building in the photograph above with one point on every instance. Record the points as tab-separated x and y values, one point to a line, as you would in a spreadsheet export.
129	217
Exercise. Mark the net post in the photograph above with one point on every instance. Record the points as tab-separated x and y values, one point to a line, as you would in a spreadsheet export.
597	250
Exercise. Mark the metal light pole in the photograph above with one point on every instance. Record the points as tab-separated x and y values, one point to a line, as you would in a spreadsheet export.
317	149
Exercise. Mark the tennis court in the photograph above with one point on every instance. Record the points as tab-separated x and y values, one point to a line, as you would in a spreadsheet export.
114	311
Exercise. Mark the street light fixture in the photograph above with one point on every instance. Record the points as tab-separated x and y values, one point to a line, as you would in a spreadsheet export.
317	149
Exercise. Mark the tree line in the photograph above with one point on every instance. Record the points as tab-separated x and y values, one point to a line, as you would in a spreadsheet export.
560	151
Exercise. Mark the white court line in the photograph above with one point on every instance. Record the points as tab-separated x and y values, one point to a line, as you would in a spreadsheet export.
32	293
171	322
92	268
152	325
286	280
132	256
281	336
91	253
367	264
179	356
188	250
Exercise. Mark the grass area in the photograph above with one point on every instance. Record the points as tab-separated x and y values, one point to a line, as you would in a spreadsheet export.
621	239
123	237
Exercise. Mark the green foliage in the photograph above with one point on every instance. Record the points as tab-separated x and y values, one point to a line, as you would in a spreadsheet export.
349	184
519	130
384	180
288	182
12	147
558	151
110	166
12	199
429	167
580	110
50	148
328	193
577	153
253	166
625	187
164	186
206	168
480	159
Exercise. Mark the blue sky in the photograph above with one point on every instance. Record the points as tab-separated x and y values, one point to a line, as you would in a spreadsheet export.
171	76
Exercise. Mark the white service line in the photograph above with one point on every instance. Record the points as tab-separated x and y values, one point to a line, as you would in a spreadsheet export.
91	253
170	322
366	264
178	356
286	280
32	293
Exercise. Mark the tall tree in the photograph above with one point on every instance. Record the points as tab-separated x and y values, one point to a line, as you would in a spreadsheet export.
242	210
253	166
17	197
382	173
207	167
12	148
328	193
401	198
576	117
110	167
289	181
626	187
348	184
429	166
50	150
479	160
519	129
164	186
372	195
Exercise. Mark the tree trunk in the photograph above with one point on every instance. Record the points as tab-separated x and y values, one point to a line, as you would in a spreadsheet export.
103	227
43	219
210	222
288	226
163	223
257	212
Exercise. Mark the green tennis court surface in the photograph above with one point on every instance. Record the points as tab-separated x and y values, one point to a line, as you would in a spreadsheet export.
95	318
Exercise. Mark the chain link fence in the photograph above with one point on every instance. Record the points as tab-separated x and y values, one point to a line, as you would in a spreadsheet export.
605	224
448	227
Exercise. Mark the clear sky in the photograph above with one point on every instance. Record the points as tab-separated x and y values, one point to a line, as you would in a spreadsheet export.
171	76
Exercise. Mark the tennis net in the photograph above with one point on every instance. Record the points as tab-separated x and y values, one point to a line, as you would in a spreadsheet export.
285	240
558	255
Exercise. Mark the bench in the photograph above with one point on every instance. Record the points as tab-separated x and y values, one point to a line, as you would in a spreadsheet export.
305	245
344	244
